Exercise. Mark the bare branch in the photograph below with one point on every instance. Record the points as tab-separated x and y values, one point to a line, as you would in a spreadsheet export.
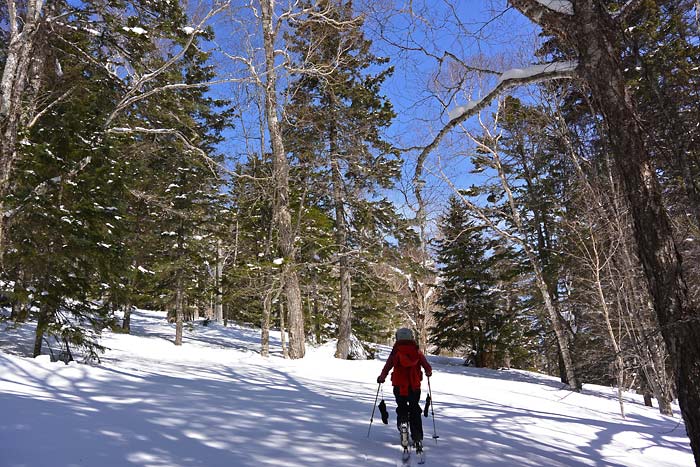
470	67
509	79
174	87
56	101
628	9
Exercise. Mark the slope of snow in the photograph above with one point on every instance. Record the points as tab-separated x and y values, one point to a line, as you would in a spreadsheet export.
215	402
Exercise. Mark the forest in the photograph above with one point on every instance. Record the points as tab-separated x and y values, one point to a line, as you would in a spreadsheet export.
518	182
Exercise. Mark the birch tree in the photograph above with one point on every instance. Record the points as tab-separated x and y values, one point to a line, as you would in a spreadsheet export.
281	211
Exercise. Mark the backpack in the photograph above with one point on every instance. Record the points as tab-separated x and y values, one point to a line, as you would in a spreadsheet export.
407	372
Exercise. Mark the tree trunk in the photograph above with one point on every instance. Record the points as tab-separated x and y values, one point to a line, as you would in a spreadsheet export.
317	320
265	331
647	399
283	332
631	294
179	312
20	311
219	293
598	40
281	213
42	321
126	321
341	238
596	267
422	315
558	323
13	83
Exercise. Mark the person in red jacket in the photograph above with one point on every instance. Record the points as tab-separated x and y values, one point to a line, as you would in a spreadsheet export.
406	360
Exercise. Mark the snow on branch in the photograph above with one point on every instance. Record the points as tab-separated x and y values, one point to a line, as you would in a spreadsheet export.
507	80
550	15
560	6
136	87
43	187
213	165
516	77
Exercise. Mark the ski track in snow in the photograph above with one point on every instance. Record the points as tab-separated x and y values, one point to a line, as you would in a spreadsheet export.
215	402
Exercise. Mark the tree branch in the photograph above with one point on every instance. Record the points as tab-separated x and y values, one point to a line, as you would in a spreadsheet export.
58	100
508	80
627	10
43	187
140	82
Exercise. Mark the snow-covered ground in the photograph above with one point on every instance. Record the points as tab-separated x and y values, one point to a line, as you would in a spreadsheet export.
215	402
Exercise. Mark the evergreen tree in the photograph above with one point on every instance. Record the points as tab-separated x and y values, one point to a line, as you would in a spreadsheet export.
65	234
72	199
465	291
535	159
336	116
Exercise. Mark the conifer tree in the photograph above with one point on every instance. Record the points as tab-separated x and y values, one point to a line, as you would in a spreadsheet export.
479	311
464	291
65	233
336	115
73	197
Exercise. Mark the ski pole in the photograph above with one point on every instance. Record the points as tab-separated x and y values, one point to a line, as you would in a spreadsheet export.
430	393
371	419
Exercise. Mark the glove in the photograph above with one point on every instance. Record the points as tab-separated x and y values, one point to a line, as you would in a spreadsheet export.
428	374
383	411
380	379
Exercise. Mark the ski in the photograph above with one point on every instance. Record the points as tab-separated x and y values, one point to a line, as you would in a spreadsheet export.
406	457
406	454
420	454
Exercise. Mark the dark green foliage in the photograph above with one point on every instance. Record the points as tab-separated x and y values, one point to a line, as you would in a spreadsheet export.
99	180
480	309
66	247
335	122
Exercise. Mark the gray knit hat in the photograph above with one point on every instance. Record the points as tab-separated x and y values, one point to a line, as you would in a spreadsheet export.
403	334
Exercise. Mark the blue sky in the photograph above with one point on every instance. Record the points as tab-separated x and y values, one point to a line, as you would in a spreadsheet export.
476	31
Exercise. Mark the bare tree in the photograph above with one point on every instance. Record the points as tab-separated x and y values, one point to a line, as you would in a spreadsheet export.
595	36
596	258
603	207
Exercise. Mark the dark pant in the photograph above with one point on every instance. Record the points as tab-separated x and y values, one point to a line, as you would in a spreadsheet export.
408	410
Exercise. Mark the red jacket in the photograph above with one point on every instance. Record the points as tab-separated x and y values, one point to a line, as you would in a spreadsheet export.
406	359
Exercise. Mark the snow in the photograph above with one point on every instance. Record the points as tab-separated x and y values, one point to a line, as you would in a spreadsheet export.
188	30
215	402
560	6
457	111
136	30
517	74
278	261
533	70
